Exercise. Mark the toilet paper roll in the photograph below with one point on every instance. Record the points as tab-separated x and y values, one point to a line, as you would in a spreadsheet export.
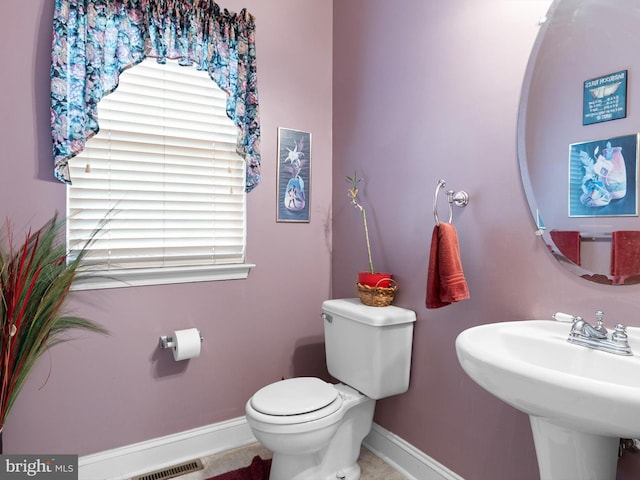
186	344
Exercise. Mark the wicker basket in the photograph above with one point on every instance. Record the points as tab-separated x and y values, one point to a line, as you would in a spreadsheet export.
377	296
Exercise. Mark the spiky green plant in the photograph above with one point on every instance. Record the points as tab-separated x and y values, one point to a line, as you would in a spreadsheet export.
35	279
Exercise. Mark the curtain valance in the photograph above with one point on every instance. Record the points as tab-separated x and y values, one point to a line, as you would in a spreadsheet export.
95	40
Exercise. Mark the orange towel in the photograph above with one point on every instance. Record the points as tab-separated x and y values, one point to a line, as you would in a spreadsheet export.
625	254
568	242
445	278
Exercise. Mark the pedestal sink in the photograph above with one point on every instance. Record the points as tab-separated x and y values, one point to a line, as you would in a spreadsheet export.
580	401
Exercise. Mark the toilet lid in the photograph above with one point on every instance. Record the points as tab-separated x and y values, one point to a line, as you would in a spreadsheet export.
294	396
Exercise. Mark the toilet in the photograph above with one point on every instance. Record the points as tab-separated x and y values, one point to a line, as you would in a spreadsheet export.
315	428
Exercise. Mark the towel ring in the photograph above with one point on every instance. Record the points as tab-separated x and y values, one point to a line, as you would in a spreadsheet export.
459	199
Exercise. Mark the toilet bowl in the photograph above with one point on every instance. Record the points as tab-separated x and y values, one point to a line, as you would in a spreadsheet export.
313	428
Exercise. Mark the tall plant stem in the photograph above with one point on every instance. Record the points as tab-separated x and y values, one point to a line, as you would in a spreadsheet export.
366	235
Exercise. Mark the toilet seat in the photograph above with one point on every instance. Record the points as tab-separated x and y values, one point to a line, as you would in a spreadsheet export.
296	400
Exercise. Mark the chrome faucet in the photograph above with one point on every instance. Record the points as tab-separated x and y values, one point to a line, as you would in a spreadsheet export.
583	329
597	337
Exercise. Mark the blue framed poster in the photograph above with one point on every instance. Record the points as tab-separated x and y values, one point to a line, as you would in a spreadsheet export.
603	176
605	98
294	175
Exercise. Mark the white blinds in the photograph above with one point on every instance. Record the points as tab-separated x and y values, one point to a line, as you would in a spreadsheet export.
162	174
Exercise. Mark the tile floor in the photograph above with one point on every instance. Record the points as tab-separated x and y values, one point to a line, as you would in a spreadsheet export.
373	468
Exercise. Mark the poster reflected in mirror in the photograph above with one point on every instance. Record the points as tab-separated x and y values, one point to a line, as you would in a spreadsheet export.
294	175
605	98
603	177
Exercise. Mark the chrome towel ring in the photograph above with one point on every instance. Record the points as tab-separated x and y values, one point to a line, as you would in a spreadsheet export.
459	199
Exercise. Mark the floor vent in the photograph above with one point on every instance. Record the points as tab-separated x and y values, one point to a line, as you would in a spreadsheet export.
173	471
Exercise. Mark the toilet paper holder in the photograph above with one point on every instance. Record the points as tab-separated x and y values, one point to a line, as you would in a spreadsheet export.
167	341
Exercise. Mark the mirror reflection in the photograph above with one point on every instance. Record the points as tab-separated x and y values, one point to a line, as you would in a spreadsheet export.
578	137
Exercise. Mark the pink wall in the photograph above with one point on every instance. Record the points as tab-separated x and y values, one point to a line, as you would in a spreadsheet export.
430	90
99	393
421	91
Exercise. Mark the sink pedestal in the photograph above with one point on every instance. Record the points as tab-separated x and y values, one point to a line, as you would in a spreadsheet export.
565	454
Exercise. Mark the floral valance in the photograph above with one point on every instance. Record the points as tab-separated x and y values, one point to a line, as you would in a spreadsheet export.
95	40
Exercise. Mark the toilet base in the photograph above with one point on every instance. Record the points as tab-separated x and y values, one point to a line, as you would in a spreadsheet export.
296	468
339	458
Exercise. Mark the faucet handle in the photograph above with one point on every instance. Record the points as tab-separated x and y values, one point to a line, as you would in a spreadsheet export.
563	317
620	335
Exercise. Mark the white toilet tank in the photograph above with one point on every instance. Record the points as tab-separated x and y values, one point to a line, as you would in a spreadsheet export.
368	348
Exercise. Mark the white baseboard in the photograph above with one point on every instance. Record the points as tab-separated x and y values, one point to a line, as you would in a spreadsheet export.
404	457
125	462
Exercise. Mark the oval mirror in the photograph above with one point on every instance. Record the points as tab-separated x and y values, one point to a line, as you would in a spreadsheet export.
578	137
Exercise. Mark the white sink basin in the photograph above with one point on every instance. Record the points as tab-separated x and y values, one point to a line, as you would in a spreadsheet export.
580	400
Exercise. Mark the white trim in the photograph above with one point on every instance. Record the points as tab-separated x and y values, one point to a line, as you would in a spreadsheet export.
404	457
136	277
125	462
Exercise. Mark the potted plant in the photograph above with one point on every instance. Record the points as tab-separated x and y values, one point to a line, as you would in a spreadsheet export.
370	278
35	279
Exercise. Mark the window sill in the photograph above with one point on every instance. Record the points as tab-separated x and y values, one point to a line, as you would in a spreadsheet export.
159	276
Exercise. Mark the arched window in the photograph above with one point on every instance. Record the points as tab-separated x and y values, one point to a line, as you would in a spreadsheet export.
96	40
201	236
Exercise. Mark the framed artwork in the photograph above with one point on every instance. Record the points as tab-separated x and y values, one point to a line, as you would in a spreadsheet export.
603	177
605	98
294	175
